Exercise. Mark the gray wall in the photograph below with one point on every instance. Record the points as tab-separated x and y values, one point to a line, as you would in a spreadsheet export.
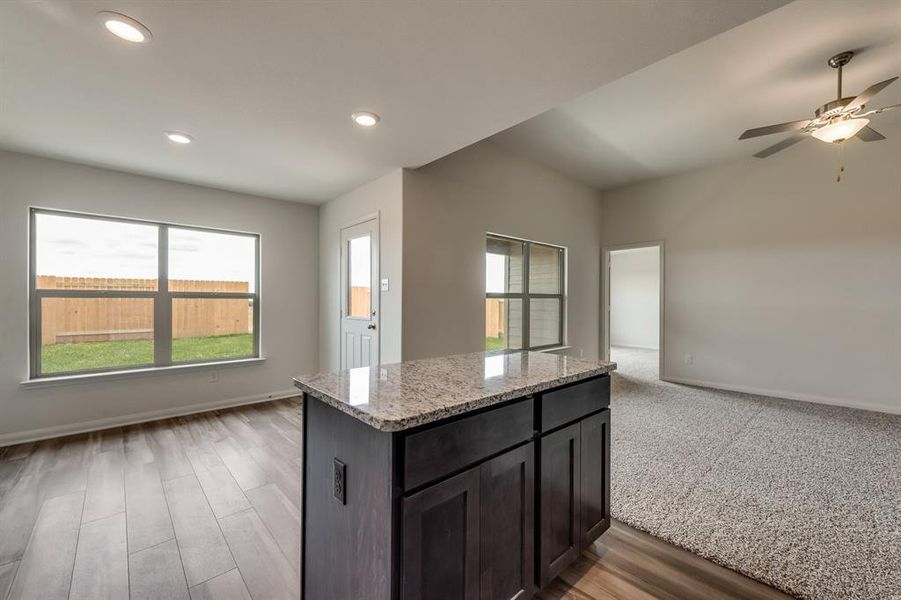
635	298
778	279
288	293
450	205
385	197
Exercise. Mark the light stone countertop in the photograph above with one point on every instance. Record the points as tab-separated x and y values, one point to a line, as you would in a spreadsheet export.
403	395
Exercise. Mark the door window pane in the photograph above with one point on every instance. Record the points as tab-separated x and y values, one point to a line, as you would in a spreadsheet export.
211	329
544	321
206	261
359	277
503	266
89	334
544	269
503	324
80	253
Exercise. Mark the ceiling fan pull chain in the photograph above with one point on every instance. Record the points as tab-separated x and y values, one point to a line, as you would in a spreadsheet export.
841	162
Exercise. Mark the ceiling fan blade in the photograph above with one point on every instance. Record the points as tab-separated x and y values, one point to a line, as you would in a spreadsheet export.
876	111
789	141
868	93
780	128
868	134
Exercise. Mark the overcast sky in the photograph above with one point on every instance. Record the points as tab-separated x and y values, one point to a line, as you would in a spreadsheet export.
495	271
361	261
77	247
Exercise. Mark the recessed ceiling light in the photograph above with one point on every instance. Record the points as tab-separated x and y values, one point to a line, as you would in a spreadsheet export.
125	27
178	137
365	118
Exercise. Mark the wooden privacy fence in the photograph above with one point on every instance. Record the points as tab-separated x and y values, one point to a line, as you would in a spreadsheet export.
360	301
72	320
494	317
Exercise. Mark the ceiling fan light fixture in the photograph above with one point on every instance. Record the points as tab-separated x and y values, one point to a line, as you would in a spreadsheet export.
839	131
835	121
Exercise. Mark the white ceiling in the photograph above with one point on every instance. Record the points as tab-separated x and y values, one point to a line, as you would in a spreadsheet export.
688	110
267	88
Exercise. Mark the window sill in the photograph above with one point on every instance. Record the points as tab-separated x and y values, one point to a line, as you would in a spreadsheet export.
40	382
555	349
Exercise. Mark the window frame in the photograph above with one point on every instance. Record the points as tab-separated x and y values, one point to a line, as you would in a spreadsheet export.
162	298
526	296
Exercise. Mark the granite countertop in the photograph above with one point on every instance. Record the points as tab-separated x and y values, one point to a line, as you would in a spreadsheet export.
403	395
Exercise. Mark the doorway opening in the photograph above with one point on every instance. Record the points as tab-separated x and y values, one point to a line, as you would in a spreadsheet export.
360	294
633	331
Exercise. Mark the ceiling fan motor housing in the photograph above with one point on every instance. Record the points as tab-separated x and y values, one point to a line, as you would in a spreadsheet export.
834	107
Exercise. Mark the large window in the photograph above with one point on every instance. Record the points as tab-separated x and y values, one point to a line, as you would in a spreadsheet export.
524	294
112	294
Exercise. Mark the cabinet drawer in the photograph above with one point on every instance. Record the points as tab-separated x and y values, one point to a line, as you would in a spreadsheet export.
438	451
574	401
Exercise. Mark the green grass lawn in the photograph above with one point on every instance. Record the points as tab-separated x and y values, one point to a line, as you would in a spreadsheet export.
212	347
65	358
495	343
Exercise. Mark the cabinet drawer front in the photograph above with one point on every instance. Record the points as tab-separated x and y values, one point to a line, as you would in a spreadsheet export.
438	451
573	402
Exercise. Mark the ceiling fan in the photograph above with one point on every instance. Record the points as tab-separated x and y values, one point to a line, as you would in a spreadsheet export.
835	121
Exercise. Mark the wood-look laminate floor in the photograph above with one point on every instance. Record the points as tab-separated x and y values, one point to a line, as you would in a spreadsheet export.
207	507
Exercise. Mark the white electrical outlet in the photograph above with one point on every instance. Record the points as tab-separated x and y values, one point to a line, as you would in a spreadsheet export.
689	359
214	376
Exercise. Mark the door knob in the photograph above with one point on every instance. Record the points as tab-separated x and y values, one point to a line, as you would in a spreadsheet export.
370	326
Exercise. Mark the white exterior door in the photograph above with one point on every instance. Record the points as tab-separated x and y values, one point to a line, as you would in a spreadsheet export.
360	295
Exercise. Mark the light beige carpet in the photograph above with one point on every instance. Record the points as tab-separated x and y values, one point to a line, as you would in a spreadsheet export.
804	497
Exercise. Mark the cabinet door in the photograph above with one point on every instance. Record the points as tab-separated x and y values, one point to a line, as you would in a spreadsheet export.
560	500
507	497
441	540
595	517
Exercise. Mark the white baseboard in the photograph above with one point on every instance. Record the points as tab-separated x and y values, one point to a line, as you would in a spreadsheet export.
33	435
783	395
628	347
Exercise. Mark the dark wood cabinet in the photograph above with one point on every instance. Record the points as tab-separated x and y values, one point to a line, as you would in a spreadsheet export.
560	496
438	451
471	537
490	505
441	541
507	550
572	402
595	476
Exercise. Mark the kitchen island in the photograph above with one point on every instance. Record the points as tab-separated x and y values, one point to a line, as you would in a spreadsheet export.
477	476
